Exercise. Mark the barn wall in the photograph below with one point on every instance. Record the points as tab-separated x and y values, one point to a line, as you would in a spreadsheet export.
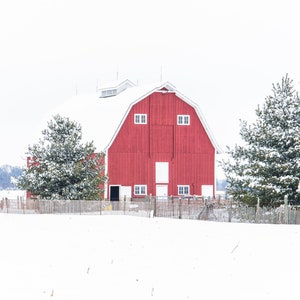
187	149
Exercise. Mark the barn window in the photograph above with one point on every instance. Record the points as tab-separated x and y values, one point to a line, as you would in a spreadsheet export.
140	119
183	120
109	93
140	189
183	189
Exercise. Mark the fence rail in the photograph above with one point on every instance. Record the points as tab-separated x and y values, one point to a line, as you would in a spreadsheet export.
173	207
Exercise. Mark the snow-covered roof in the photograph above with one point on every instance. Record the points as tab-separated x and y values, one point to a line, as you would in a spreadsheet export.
101	118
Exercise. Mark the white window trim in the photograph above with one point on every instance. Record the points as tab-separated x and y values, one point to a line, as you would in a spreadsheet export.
140	119
140	186
184	118
183	187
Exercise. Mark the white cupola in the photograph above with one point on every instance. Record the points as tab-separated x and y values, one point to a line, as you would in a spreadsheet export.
114	88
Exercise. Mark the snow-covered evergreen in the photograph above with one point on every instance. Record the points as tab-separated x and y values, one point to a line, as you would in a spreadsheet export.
267	165
60	166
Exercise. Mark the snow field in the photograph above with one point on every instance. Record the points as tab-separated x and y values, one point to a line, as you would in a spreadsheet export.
68	257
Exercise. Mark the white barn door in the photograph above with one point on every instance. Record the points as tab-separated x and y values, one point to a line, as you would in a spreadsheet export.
162	180
162	172
162	192
207	191
125	193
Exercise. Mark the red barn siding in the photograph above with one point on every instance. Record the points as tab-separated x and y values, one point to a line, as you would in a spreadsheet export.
161	139
136	148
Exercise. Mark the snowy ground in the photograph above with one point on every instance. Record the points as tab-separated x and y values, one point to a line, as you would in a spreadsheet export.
120	257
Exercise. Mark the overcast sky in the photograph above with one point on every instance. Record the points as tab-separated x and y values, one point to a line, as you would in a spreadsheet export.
224	55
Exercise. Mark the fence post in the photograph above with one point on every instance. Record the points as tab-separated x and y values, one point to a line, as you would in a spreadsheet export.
230	209
286	217
154	209
257	210
7	204
180	208
124	205
173	206
149	206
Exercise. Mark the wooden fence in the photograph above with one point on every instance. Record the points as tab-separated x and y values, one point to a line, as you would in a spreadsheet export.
173	207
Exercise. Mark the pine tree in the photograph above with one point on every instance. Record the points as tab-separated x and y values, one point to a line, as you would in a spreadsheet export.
61	167
267	165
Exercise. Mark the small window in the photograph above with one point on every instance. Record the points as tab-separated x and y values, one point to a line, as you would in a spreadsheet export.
109	93
183	120
140	189
140	119
183	189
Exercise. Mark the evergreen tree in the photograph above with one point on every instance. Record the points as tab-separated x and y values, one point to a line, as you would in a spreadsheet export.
268	164
60	167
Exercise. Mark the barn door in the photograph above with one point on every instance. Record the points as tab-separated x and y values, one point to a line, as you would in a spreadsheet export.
114	193
162	192
125	192
207	191
161	172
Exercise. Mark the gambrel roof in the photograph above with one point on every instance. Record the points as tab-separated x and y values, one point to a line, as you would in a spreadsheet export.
102	117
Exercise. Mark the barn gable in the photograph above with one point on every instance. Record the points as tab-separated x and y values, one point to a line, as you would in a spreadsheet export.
168	88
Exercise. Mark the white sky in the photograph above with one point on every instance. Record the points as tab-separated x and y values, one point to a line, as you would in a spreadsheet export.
224	55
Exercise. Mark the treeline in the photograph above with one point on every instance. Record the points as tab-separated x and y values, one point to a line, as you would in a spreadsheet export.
6	173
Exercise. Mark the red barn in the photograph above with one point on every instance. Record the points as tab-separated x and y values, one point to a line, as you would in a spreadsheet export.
155	138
